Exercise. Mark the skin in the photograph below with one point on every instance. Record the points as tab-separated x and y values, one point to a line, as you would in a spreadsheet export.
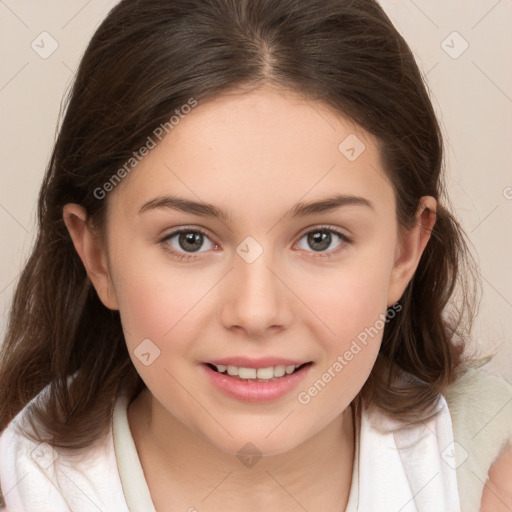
497	494
255	154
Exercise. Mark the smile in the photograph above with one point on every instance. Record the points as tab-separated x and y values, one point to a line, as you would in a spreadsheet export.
260	374
262	384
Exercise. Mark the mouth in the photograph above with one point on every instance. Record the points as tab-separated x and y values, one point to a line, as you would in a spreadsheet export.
256	380
268	374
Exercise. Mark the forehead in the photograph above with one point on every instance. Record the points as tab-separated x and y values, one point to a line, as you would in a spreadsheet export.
257	148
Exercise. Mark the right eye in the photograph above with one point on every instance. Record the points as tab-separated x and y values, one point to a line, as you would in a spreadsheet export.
183	242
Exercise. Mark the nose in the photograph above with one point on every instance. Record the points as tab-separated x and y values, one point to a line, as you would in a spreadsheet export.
255	297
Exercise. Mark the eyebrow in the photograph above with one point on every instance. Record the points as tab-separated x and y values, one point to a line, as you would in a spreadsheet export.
301	209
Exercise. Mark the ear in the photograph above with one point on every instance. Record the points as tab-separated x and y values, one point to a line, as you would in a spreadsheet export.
92	252
410	247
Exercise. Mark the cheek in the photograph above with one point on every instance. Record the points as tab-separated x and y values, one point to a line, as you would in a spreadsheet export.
346	300
155	299
159	318
348	316
353	314
355	319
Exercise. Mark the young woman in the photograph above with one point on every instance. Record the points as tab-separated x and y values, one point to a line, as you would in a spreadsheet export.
241	294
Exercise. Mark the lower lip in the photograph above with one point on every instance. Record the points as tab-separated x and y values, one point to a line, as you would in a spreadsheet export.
253	391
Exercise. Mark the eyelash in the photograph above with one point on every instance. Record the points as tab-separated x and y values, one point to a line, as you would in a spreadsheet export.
184	256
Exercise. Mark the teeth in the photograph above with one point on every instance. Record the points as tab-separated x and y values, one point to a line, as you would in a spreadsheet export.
232	370
256	373
290	369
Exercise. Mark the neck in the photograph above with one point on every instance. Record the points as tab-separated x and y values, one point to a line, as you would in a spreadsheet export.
180	465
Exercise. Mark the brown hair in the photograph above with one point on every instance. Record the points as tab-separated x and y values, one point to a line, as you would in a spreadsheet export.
147	59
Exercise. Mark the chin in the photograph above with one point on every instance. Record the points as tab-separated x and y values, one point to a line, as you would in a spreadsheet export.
254	445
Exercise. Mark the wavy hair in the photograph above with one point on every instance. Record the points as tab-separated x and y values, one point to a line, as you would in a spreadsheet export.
147	59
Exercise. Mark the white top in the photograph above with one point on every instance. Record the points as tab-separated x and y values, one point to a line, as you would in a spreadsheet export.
407	470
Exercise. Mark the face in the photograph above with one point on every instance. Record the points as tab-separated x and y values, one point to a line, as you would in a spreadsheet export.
272	279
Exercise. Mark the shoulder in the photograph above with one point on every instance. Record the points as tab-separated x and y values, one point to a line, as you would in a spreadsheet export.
497	495
36	476
481	378
480	405
481	402
26	468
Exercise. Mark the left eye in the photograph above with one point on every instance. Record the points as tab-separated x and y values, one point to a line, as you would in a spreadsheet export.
321	239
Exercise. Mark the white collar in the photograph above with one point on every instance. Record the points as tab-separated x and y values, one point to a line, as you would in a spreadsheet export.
407	469
395	469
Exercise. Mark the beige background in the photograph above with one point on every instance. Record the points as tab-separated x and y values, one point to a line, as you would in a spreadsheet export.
471	89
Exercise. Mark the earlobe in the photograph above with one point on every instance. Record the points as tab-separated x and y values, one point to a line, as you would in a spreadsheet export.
91	251
410	247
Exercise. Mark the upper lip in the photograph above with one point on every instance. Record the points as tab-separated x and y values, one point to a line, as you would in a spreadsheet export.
263	362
